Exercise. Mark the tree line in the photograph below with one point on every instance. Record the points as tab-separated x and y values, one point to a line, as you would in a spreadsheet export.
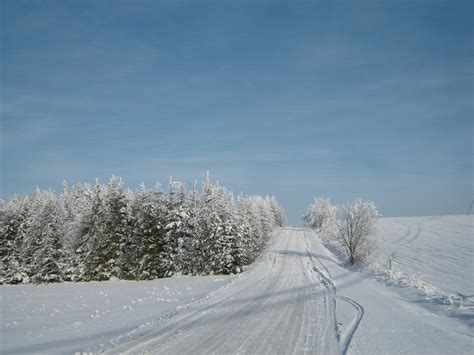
106	231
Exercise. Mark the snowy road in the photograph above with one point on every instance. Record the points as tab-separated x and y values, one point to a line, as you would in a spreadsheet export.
286	305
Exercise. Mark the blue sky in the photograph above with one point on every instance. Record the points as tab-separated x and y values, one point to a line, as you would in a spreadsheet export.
293	98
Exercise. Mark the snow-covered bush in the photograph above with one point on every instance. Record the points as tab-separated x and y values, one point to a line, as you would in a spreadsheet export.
103	232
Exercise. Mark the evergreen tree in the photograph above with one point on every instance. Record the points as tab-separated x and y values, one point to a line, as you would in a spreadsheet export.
176	229
92	238
43	254
113	249
148	232
12	223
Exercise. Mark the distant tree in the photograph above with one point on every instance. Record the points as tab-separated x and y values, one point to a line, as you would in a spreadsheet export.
319	211
356	222
321	216
277	212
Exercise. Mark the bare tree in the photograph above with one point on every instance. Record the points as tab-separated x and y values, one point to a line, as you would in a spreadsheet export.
356	222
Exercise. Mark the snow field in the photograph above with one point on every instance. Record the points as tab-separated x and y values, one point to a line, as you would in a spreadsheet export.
70	317
434	255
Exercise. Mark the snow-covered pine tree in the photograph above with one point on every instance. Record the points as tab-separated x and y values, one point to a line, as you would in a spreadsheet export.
189	240
67	231
277	212
44	247
32	230
148	232
203	243
12	223
77	241
92	238
118	252
248	237
216	232
220	234
258	231
49	258
232	240
129	257
176	229
112	251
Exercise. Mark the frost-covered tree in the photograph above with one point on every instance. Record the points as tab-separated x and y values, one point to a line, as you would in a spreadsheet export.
114	250
12	229
68	216
356	222
92	239
148	227
277	212
175	229
319	211
214	230
44	253
225	234
321	216
205	219
249	236
188	238
49	258
98	233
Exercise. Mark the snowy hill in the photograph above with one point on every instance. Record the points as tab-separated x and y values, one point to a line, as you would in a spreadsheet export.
432	258
437	249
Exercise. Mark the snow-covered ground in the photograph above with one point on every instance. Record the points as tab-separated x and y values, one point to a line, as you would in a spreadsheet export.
296	298
438	249
432	255
68	317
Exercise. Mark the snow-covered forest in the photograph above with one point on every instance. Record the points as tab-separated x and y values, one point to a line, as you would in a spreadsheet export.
106	231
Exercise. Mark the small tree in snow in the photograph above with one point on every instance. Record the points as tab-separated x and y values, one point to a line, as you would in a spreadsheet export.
354	226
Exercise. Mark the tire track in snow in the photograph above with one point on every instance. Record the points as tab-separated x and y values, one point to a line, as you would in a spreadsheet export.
324	277
346	337
406	235
417	234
